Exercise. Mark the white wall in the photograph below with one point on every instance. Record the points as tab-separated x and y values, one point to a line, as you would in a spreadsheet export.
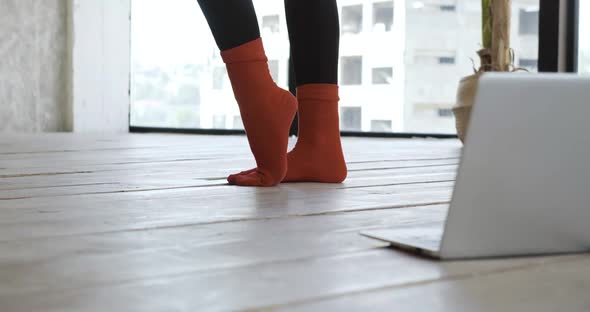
99	82
33	65
64	65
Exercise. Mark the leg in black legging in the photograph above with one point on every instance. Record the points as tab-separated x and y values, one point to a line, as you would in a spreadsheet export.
314	33
232	22
267	110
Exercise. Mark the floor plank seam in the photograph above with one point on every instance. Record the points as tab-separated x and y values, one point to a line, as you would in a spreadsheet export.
114	192
77	151
396	184
162	161
204	186
181	274
401	160
176	226
394	168
58	186
8	176
450	278
375	208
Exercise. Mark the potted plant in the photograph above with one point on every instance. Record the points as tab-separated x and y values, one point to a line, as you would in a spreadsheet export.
495	55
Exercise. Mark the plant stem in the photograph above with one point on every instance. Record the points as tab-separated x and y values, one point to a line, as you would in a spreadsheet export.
486	18
501	59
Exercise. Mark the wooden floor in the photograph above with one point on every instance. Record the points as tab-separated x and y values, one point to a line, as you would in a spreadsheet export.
147	223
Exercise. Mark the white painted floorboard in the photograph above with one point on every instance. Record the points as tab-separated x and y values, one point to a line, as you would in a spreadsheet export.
147	223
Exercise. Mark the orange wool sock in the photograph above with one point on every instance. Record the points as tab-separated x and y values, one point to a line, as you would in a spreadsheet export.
317	156
267	112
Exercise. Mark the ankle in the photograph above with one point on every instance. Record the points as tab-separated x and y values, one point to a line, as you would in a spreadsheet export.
321	140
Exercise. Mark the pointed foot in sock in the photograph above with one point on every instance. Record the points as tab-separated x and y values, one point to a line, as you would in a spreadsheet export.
266	110
268	134
253	177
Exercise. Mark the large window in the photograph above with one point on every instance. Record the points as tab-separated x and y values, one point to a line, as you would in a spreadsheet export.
584	44
400	61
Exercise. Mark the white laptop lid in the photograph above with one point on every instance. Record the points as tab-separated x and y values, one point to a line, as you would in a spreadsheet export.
523	186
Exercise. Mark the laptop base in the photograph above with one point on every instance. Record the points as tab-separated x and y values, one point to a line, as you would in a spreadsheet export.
422	240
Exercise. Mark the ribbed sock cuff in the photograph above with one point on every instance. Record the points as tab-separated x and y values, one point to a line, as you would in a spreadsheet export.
318	91
252	51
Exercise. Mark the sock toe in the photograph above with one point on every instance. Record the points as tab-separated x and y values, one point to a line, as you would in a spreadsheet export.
255	178
231	179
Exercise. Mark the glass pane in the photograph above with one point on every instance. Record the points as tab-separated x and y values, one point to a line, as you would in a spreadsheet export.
400	64
178	79
401	60
351	68
382	75
351	118
352	19
528	21
584	63
383	15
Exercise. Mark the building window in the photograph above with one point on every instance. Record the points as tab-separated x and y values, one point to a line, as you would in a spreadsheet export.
437	110
435	5
219	75
273	66
352	19
381	125
351	70
382	75
383	15
448	7
219	121
271	23
435	57
446	60
445	112
351	118
528	22
530	64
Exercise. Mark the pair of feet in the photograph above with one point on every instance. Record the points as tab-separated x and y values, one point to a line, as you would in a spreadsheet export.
267	112
317	156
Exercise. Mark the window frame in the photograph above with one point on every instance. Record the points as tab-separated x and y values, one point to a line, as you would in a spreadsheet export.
558	35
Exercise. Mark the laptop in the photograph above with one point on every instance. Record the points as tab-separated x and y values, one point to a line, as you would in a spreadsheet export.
523	186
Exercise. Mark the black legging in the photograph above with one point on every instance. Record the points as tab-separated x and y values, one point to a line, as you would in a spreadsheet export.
313	31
